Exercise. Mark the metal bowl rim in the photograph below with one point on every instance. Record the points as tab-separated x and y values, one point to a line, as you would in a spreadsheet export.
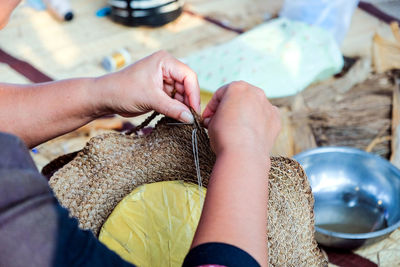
350	150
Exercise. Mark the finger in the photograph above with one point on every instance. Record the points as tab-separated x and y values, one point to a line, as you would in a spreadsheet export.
184	75
179	97
168	80
186	100
212	106
174	109
168	89
179	88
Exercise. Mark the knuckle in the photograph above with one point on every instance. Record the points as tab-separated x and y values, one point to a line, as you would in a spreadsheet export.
259	92
161	53
167	110
163	103
239	84
192	74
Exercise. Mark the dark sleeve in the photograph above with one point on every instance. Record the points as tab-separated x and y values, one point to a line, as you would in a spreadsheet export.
219	254
76	247
34	229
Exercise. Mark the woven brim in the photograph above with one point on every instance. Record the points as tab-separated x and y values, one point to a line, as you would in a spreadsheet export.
110	166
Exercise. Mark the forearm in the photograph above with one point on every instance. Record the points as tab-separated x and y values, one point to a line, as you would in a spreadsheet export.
37	113
235	209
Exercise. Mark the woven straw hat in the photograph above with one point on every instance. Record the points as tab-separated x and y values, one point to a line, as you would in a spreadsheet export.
93	181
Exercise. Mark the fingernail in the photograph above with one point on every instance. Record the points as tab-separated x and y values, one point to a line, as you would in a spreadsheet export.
206	121
187	117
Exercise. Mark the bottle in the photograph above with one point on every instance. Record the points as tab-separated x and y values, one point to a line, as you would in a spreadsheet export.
61	9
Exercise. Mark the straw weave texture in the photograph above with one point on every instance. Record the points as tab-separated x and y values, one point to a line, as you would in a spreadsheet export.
110	166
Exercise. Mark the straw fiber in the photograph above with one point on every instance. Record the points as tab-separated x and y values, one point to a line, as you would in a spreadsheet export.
110	166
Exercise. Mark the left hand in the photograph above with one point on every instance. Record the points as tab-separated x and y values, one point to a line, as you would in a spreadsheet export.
147	85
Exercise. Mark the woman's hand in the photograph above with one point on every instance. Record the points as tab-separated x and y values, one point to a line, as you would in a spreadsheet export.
39	112
148	85
238	116
242	125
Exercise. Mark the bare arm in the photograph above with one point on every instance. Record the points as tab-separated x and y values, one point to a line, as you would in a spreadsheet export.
235	211
242	126
37	113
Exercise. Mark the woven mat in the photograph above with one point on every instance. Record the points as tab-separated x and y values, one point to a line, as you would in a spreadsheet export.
82	43
76	48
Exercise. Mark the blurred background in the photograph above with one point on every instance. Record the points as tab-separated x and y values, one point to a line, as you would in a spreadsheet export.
332	67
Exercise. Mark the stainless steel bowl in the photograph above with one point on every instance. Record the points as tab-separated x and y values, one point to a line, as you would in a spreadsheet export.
357	195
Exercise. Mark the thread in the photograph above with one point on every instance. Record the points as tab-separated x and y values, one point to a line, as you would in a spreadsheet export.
117	60
143	124
195	146
196	161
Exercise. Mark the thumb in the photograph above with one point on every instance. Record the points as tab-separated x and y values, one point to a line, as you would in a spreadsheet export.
174	109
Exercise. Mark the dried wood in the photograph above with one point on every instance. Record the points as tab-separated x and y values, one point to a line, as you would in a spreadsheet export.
304	137
376	141
302	131
395	156
330	90
284	144
395	30
335	113
349	111
358	118
386	53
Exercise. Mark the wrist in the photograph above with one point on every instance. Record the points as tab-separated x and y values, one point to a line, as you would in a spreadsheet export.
80	97
101	93
246	153
245	147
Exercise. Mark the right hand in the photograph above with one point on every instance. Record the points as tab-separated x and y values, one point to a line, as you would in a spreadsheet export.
239	116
